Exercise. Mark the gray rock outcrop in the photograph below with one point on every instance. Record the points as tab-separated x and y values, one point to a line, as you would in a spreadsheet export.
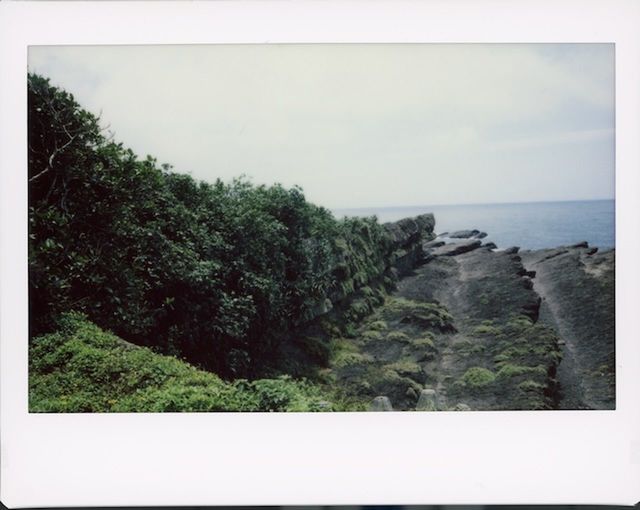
428	400
380	404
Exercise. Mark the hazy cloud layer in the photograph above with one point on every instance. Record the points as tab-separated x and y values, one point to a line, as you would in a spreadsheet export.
362	125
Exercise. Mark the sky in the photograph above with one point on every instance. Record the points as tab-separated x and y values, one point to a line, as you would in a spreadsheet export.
361	125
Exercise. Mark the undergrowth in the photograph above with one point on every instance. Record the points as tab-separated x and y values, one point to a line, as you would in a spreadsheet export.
81	368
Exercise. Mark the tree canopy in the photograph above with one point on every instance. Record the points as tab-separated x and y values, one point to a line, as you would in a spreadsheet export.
215	273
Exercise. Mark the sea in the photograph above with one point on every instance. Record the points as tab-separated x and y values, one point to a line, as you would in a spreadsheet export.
530	225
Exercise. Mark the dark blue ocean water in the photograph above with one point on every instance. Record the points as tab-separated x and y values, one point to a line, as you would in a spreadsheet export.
528	225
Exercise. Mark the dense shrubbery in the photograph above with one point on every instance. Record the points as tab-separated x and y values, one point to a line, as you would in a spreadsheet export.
81	368
217	274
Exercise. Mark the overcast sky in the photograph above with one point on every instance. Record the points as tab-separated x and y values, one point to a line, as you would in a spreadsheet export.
361	125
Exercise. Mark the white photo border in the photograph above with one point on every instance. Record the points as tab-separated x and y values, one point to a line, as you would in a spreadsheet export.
541	457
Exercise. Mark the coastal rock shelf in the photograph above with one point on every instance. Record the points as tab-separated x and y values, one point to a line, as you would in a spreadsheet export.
577	286
474	327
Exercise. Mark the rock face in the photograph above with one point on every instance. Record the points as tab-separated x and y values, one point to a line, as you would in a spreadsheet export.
408	231
402	249
428	400
472	327
466	326
452	249
500	357
381	404
577	285
407	236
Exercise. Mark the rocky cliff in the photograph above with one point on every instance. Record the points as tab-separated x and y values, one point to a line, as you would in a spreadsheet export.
386	257
473	327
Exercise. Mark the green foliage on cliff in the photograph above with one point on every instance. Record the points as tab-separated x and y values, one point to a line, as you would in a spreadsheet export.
219	274
81	368
423	314
478	377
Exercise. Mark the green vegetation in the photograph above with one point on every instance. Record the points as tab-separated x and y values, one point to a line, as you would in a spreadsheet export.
81	368
345	359
518	324
485	329
530	385
405	368
508	371
378	325
345	353
397	336
219	274
426	315
215	291
511	364
425	342
372	335
478	377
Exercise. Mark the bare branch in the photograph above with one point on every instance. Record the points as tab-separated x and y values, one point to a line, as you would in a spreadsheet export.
38	175
53	156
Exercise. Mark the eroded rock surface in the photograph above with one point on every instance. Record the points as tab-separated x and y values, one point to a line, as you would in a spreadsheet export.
500	357
475	327
577	285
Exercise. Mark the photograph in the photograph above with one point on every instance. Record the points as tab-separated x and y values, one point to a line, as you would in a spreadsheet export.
321	227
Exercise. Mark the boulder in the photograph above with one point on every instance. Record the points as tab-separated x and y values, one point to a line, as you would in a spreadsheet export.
428	400
451	249
513	250
490	245
380	404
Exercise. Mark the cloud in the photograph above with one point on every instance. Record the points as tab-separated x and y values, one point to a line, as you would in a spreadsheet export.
358	125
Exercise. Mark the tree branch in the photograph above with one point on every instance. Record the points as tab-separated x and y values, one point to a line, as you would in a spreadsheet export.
53	156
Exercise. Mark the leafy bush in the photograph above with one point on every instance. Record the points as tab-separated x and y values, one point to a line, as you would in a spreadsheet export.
81	368
345	359
478	377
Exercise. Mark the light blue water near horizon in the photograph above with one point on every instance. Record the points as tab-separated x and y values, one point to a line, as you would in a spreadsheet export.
531	225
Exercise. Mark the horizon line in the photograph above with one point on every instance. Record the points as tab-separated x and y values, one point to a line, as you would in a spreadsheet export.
469	204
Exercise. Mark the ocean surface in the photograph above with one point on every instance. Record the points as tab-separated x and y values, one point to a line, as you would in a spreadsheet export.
530	225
